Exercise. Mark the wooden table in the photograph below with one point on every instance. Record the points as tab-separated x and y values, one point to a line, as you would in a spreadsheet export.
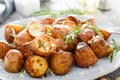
112	16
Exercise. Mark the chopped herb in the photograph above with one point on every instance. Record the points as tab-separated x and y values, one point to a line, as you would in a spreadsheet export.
96	30
22	71
42	44
13	34
49	31
72	34
116	49
24	26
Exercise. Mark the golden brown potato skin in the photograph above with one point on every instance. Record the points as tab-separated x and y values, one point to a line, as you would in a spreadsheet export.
100	47
61	62
22	38
36	66
84	56
4	48
9	29
105	33
13	61
86	35
47	21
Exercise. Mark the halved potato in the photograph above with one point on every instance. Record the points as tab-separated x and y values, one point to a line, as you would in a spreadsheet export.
36	66
4	48
13	61
22	38
47	21
48	30
61	62
11	30
84	56
35	29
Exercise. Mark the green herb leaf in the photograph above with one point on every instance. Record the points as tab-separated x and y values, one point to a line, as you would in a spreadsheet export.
116	49
96	30
22	71
42	44
53	13
71	34
13	34
24	26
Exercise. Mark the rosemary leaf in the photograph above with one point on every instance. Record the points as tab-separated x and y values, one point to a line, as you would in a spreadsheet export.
71	34
22	71
116	49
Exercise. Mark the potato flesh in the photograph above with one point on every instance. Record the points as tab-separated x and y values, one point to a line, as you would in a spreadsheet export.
36	66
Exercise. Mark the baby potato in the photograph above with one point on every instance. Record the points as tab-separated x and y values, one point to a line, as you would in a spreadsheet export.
36	66
61	62
59	21
26	50
4	48
22	38
100	47
86	35
10	29
60	31
47	21
105	33
35	29
84	56
13	61
61	45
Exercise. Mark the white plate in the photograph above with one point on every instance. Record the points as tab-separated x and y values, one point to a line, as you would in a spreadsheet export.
102	67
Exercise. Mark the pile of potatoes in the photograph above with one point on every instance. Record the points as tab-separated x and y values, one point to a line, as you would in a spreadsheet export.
41	45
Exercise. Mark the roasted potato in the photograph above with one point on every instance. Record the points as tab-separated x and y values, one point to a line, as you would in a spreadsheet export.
61	45
26	49
105	33
59	21
4	48
13	61
86	35
11	30
100	47
48	30
84	56
35	29
43	45
22	38
60	31
61	62
36	66
47	21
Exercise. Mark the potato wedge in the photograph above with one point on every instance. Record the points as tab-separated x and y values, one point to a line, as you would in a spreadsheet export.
84	56
61	62
105	33
100	47
13	61
4	48
36	66
22	38
10	29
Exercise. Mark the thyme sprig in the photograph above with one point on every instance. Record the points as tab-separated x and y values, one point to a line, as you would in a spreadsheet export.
116	49
72	34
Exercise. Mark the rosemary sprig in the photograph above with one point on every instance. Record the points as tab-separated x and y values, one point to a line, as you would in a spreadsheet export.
13	34
71	34
116	49
96	30
54	14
